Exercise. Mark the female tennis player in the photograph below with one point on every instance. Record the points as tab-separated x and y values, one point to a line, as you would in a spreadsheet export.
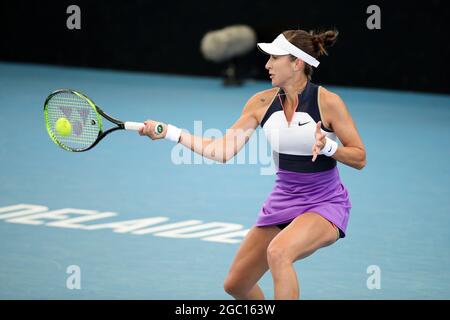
309	207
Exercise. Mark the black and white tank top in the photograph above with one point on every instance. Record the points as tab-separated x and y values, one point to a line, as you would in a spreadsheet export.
292	143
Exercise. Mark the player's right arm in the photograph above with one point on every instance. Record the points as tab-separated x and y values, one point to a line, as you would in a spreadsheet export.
226	147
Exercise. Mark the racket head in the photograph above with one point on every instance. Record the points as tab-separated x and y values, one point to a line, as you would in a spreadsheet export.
82	114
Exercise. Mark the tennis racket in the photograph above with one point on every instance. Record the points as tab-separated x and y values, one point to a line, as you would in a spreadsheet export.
81	119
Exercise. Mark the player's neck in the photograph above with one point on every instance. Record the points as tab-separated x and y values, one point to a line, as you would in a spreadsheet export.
294	89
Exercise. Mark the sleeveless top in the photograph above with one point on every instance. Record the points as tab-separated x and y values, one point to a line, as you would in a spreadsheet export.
292	143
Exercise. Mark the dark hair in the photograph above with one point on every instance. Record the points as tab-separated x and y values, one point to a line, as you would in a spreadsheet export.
313	43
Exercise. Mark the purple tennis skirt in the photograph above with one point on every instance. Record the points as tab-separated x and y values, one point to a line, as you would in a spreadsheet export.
295	193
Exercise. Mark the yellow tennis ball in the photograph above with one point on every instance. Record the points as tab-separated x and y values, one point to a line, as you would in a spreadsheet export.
63	127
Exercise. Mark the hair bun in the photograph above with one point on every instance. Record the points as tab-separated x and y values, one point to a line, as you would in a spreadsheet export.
323	40
329	37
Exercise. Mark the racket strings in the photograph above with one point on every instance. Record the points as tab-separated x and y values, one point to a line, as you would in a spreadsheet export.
85	126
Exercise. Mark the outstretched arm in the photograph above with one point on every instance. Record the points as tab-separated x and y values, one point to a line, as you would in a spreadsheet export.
219	149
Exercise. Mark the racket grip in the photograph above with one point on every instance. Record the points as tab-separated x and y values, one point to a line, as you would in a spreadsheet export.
135	126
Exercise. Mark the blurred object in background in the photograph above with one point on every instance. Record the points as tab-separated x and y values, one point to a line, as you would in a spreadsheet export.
226	45
409	52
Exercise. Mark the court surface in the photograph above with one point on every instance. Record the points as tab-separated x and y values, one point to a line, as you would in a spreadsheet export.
194	213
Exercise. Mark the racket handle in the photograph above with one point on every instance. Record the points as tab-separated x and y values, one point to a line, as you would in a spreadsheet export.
135	126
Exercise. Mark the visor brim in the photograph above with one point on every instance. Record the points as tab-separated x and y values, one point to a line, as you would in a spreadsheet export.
271	49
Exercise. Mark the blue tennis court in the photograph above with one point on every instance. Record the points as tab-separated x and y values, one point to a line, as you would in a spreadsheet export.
142	219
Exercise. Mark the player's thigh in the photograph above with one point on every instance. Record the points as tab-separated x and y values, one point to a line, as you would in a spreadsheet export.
303	236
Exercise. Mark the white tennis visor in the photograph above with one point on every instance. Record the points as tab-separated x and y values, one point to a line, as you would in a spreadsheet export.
281	46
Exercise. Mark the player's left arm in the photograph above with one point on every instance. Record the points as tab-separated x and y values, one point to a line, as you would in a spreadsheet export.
352	151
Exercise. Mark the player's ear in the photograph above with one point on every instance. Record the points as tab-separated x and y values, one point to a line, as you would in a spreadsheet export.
298	64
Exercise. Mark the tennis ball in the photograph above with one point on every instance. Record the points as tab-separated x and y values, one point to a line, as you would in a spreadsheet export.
63	127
